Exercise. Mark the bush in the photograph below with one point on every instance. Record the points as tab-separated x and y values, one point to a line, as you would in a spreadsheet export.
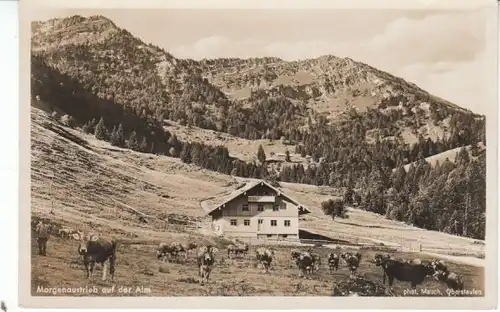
334	208
68	121
55	116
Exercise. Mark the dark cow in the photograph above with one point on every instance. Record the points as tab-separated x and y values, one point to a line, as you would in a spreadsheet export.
177	248
403	271
305	262
442	274
264	257
333	261
96	249
352	260
295	254
234	250
42	236
164	250
451	279
205	260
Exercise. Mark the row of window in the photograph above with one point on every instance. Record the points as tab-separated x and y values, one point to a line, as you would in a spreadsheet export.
246	222
260	207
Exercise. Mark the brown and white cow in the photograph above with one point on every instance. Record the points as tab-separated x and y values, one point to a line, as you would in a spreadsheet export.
205	260
333	261
306	262
442	274
234	250
352	260
164	250
96	249
264	257
65	232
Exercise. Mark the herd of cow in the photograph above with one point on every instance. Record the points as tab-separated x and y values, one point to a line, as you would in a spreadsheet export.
98	249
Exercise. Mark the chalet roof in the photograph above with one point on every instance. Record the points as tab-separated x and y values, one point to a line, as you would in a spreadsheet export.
214	202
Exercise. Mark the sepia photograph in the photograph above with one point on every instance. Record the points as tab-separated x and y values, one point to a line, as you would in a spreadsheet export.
259	152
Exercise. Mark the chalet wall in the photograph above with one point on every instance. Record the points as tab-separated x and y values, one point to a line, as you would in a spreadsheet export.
260	216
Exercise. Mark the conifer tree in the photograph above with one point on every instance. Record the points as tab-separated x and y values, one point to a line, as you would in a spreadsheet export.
186	153
120	136
101	133
113	138
143	147
133	142
261	155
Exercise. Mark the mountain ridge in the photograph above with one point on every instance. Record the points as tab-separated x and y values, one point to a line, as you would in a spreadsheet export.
345	124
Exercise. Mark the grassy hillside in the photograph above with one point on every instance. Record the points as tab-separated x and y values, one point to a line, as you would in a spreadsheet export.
77	177
82	178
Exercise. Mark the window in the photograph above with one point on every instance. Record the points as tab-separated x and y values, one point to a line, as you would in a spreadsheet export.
261	221
246	222
276	207
274	223
244	207
260	207
234	222
269	235
285	236
287	222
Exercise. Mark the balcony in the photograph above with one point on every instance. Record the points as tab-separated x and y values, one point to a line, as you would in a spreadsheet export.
261	199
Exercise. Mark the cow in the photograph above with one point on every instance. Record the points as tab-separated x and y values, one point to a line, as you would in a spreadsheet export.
97	249
333	261
442	274
295	254
403	271
352	260
176	249
65	232
439	265
233	250
264	257
317	261
165	249
451	279
205	260
305	262
42	236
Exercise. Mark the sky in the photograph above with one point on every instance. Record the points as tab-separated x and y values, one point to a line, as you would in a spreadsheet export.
443	51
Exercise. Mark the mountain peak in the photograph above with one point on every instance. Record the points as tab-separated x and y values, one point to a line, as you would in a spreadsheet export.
75	29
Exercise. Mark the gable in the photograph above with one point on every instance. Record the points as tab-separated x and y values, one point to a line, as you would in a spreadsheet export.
257	188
